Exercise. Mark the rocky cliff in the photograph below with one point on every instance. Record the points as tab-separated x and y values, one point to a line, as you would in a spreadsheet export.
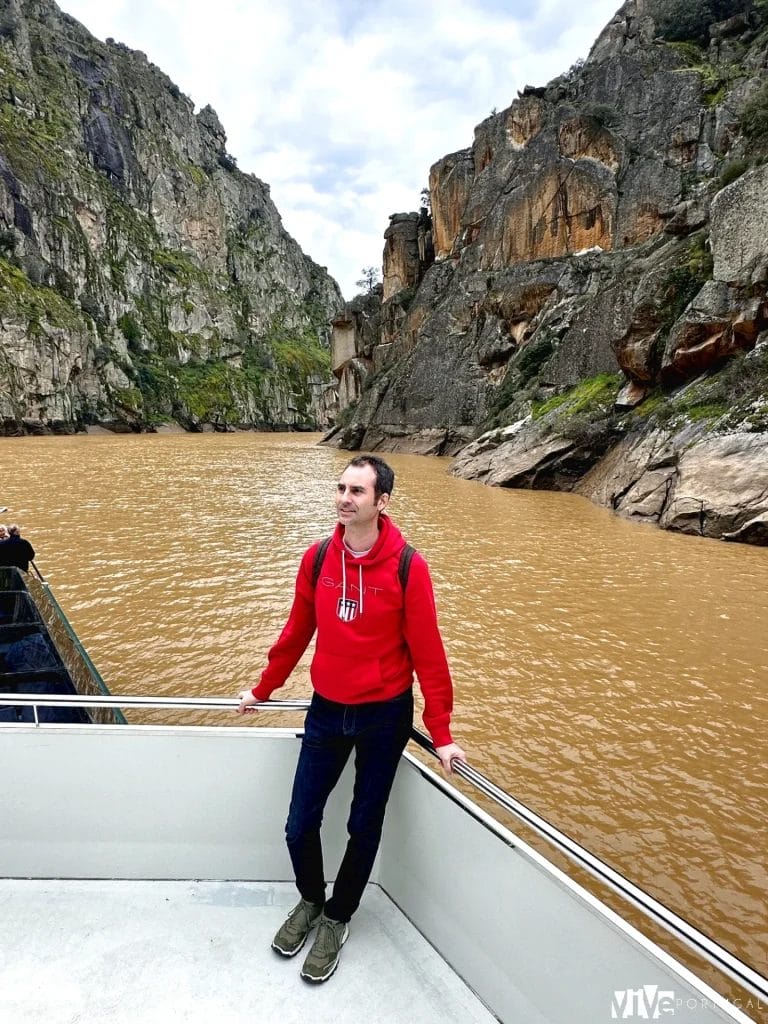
595	317
143	277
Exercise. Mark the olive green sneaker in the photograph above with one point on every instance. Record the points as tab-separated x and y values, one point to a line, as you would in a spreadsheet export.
293	932
323	959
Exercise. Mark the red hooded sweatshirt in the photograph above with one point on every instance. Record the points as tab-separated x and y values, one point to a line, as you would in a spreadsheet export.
371	635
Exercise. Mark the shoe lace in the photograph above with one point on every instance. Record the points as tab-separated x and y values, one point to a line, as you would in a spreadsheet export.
326	940
300	913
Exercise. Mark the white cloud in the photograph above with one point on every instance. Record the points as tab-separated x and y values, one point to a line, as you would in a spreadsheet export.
343	107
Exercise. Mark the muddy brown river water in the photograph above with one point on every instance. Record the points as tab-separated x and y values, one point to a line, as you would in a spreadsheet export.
612	676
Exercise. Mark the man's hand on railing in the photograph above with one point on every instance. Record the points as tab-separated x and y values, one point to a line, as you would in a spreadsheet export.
247	700
449	753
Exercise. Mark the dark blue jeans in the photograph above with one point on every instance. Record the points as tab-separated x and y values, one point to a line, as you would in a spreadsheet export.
378	732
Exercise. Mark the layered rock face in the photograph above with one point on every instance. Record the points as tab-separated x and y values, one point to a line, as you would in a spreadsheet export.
142	276
600	256
408	251
355	336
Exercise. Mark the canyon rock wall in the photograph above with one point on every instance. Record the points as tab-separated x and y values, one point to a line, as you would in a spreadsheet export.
142	276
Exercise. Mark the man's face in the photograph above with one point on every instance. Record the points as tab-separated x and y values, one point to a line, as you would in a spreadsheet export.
356	501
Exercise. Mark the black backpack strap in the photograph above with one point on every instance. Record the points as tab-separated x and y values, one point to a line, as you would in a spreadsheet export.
403	568
319	558
406	556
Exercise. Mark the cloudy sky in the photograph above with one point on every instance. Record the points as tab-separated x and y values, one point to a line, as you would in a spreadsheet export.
343	106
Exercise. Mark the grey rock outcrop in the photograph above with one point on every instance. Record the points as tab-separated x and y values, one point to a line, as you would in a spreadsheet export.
739	225
142	275
755	531
691	482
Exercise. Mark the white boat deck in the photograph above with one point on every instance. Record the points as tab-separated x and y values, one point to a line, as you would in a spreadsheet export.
150	952
119	804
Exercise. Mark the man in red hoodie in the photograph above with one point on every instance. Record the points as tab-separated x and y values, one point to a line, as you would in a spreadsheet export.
372	634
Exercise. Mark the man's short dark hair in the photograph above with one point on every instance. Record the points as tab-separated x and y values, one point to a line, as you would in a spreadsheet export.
385	475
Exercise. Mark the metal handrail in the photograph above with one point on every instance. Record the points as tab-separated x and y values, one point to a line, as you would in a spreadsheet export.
696	940
75	700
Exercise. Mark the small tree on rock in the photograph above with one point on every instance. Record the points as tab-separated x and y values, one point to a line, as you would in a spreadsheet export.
369	280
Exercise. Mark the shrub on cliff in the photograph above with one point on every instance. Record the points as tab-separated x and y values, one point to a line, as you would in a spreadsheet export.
754	117
130	329
732	170
533	357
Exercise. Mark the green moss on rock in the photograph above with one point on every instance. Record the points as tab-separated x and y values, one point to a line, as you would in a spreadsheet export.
590	395
34	304
178	265
208	391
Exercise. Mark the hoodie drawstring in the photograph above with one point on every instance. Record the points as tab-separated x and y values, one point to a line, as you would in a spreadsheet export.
344	584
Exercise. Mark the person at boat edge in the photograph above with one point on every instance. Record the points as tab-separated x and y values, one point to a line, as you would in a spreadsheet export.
375	629
14	549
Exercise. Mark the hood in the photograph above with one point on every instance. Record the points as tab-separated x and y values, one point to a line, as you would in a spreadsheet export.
389	544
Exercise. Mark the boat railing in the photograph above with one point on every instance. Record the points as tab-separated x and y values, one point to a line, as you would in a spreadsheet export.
652	908
34	606
55	618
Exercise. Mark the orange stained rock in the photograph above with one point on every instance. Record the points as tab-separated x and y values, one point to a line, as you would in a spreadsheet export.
450	181
581	139
561	214
647	223
401	260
